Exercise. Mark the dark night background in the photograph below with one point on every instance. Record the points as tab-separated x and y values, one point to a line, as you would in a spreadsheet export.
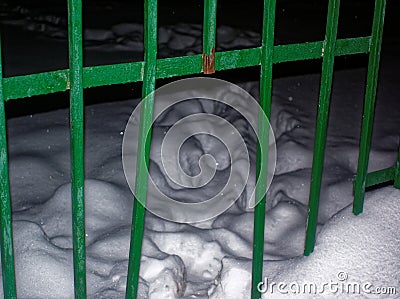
296	21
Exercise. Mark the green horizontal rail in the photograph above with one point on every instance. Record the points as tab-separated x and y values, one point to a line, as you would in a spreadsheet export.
397	172
313	50
19	87
380	176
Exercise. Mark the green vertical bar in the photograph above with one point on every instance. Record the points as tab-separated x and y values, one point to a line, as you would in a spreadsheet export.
7	247
397	172
145	130
209	32
328	53
369	106
77	145
267	48
209	26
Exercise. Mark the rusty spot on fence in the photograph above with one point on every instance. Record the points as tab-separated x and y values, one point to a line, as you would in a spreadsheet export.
209	63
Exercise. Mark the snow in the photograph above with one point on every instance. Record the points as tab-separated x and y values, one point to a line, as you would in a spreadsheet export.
363	247
211	259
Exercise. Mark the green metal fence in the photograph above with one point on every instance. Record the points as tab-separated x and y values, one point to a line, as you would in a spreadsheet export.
77	77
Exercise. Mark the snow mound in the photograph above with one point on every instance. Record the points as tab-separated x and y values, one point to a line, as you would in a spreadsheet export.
350	250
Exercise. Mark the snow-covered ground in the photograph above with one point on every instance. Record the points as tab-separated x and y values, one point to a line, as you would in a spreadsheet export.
211	259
